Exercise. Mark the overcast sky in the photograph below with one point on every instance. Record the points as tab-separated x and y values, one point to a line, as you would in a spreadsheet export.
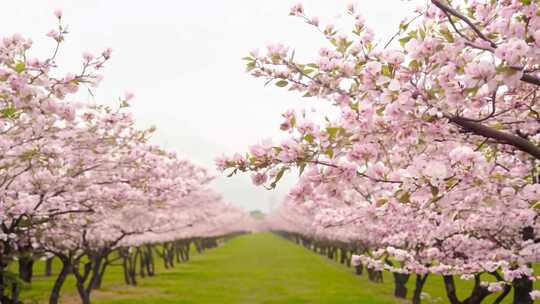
182	59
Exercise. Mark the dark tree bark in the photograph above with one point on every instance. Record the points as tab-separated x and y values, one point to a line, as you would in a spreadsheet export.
48	267
400	284
4	258
419	285
198	245
101	274
127	279
59	282
15	292
375	275
81	278
150	261
522	287
96	270
343	255
143	261
359	269
478	293
26	268
128	267
187	249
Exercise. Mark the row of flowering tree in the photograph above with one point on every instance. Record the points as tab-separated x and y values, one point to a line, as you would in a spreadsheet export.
430	161
80	181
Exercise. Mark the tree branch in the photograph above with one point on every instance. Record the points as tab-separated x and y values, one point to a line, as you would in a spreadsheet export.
504	137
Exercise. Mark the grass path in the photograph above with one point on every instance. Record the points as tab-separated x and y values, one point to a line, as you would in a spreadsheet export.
256	268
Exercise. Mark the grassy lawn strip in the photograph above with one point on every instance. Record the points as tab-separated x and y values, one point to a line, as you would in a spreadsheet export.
257	268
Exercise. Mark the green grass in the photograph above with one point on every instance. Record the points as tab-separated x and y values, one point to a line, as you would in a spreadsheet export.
256	268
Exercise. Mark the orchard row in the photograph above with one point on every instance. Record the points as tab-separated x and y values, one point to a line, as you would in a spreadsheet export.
430	164
79	181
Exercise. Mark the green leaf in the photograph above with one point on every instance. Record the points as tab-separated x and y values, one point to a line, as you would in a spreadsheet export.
8	112
404	26
332	131
447	35
20	67
279	175
450	182
386	70
250	66
526	2
471	91
28	155
282	83
309	138
405	197
329	152
404	40
434	190
414	65
301	167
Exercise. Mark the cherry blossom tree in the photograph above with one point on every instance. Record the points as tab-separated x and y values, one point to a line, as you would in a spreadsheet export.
436	131
79	181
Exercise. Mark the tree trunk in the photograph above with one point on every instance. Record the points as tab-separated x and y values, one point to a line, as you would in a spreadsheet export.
125	268
342	256
99	280
96	271
150	261
450	288
15	292
420	281
400	284
83	293
375	275
187	248
504	293
522	287
48	267
478	294
133	268
81	278
59	282
198	245
26	268
2	285
178	252
143	261
359	269
3	268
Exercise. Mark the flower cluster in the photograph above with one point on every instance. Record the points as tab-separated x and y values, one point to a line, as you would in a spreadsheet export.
433	158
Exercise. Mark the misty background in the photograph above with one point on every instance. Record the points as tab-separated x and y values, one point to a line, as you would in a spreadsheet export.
182	60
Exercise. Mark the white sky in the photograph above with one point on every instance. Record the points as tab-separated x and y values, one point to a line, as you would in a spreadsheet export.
182	59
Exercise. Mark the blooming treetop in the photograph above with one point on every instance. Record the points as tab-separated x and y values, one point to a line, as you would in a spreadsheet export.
437	135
